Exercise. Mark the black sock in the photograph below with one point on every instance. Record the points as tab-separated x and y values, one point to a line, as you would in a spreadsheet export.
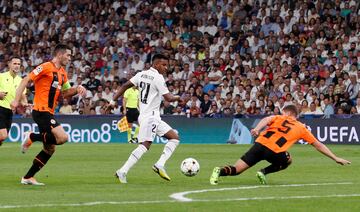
40	160
228	170
36	137
271	169
49	138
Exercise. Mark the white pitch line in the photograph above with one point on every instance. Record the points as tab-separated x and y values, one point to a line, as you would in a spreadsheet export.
196	200
86	204
172	201
278	198
181	195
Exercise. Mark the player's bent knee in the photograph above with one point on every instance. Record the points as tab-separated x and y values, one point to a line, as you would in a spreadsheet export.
241	166
146	144
62	139
175	136
172	134
288	163
285	165
49	149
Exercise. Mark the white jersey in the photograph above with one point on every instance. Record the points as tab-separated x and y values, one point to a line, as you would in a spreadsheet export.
152	86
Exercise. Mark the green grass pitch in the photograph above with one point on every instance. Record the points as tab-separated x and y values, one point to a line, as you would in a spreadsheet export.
79	177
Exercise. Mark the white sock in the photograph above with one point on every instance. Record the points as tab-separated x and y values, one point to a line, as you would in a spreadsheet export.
133	158
167	152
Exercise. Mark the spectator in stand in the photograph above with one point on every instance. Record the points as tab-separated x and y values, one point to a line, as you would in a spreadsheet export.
107	76
205	104
167	108
194	99
215	76
329	109
313	110
353	88
93	83
213	112
252	108
179	111
346	103
65	108
282	44
195	111
357	106
137	64
107	94
305	109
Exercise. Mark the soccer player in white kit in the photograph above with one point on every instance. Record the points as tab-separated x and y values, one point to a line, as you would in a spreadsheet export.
152	87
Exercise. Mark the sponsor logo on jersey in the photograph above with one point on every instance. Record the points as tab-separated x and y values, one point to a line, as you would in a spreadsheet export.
38	70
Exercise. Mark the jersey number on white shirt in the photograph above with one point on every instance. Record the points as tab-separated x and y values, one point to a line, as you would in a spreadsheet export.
144	93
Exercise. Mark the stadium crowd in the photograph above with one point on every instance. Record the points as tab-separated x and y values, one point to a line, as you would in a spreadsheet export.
227	57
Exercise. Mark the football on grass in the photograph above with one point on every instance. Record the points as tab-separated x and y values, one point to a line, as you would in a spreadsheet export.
190	167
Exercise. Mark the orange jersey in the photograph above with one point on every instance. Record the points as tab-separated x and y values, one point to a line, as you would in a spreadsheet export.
48	81
283	132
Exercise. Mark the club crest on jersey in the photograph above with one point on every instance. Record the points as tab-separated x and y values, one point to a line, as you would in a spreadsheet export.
38	70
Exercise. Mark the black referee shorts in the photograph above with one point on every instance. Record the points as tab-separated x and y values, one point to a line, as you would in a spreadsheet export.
5	118
132	114
259	152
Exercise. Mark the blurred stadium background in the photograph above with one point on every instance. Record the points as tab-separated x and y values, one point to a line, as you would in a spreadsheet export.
250	57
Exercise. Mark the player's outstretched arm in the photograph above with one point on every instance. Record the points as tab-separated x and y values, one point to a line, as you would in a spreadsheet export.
171	98
263	123
19	92
68	91
121	91
326	151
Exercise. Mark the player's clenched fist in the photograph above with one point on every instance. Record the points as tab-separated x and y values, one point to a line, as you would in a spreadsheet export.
81	90
254	132
14	104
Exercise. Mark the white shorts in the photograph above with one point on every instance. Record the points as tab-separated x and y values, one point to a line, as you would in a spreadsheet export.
150	127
